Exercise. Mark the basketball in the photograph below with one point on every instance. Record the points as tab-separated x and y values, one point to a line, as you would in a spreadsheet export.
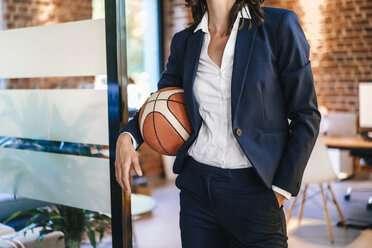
164	122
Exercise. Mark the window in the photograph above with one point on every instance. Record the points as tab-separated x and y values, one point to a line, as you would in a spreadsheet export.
143	53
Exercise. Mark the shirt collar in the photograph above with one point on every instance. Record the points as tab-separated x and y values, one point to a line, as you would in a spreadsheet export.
203	24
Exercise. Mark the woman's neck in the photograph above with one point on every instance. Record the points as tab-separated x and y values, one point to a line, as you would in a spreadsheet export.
218	14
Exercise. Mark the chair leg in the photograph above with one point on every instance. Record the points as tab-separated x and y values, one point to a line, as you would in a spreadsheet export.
302	204
342	218
290	210
326	214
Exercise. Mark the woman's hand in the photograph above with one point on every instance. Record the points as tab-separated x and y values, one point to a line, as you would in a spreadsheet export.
126	155
280	198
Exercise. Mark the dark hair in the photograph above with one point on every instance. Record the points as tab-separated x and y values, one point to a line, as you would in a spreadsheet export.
198	8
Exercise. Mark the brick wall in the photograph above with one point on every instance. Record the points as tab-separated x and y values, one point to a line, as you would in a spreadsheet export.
340	36
28	13
339	33
176	18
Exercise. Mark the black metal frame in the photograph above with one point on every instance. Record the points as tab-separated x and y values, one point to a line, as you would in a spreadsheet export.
161	35
118	110
120	203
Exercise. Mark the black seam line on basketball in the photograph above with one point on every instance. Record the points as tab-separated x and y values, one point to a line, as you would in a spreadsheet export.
153	121
167	100
172	125
172	94
178	121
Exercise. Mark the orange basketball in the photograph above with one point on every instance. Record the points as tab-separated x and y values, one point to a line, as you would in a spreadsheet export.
164	122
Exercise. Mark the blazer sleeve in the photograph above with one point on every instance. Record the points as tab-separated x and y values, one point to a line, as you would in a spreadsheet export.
170	77
297	84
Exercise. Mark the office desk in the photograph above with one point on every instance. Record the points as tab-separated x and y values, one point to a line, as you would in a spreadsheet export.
358	147
349	143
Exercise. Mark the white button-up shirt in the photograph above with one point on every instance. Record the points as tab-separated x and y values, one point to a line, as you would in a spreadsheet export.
215	144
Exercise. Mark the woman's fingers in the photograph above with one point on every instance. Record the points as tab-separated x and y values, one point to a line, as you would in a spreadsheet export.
125	157
118	174
125	174
136	165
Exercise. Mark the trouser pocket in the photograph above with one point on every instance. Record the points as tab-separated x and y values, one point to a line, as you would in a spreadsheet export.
274	199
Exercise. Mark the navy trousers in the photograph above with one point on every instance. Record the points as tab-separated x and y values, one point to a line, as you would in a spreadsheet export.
228	208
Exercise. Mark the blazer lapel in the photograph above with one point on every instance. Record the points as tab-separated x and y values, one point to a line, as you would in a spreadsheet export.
242	57
193	49
242	54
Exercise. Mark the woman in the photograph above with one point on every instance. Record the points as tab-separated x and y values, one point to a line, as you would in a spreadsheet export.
245	71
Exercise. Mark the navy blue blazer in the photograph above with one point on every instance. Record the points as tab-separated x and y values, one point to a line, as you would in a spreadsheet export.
272	81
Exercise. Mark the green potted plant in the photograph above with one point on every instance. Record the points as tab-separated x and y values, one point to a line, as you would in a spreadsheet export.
72	222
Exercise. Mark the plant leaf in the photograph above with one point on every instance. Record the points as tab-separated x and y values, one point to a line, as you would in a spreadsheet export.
101	231
13	216
92	238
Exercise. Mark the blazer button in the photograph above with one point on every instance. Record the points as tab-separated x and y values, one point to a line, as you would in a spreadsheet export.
238	131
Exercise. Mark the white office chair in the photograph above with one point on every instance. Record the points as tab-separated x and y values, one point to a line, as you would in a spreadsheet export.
319	170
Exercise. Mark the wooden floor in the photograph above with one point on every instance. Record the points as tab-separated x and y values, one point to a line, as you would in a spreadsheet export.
160	228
